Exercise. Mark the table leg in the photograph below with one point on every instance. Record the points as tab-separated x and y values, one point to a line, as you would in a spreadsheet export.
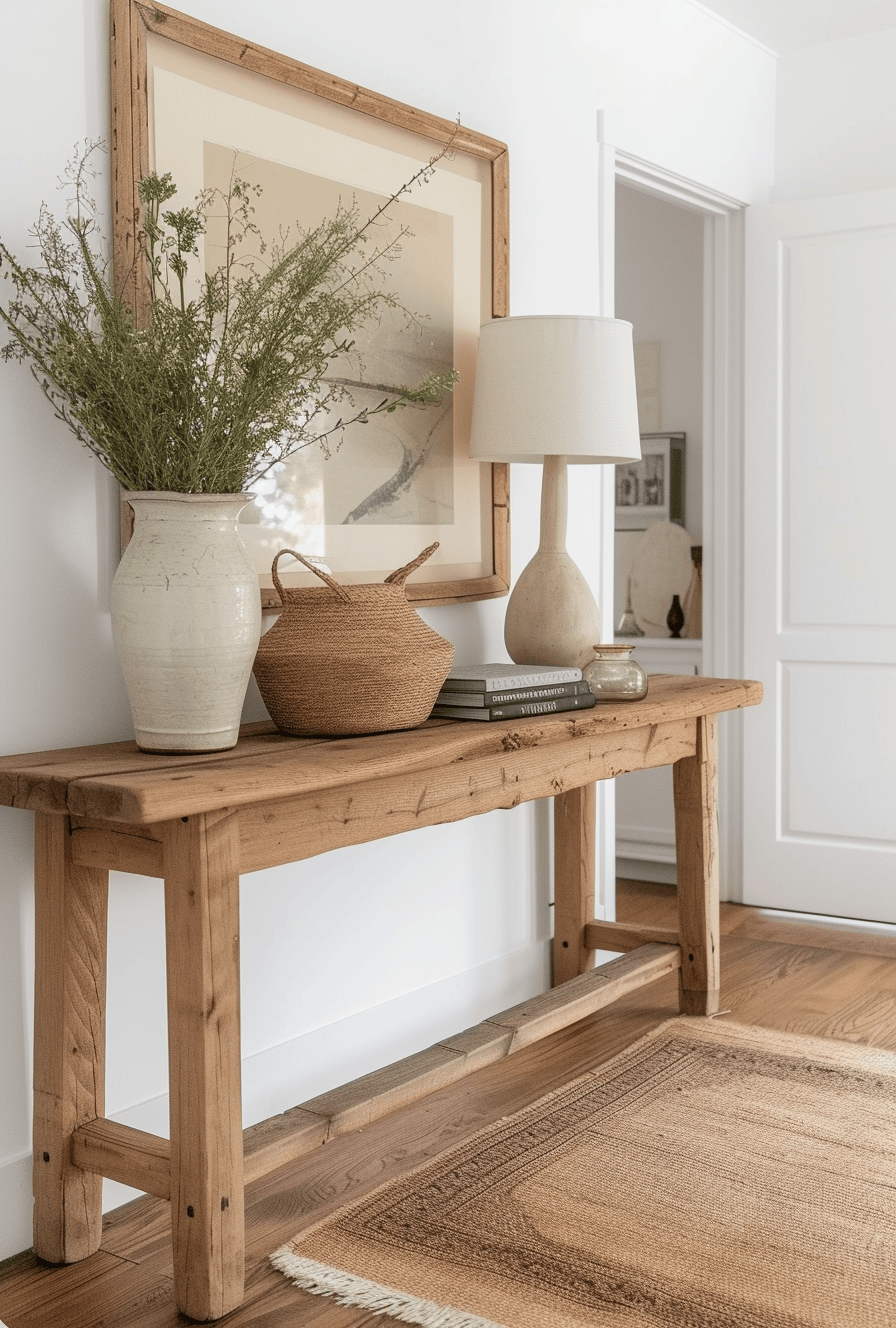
695	780
201	866
574	829
70	905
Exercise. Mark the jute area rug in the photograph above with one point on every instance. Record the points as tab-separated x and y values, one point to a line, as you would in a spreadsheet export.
711	1176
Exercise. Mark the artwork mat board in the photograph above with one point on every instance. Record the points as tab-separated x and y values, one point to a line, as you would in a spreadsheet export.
201	85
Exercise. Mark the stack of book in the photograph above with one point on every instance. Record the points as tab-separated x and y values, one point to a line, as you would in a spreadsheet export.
511	691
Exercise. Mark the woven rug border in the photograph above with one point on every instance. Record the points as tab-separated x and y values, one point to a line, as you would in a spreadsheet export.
349	1289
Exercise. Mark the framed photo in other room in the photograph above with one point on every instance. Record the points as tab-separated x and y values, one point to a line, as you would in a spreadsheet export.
652	489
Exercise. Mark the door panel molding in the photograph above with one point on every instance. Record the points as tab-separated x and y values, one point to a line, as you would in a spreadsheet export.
819	601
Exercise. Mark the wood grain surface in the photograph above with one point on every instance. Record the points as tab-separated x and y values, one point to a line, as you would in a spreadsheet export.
199	824
117	782
70	906
201	859
575	817
145	1161
694	784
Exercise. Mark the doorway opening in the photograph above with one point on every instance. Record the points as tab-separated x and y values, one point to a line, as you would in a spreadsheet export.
679	281
659	272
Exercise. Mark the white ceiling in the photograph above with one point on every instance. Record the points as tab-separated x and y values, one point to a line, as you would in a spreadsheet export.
788	25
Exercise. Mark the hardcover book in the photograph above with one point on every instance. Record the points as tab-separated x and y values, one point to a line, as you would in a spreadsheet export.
505	677
559	704
512	697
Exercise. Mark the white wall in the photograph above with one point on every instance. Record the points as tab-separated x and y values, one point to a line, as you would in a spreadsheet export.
372	952
836	120
687	91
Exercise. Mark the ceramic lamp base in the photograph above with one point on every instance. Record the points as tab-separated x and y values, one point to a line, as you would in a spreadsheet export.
552	616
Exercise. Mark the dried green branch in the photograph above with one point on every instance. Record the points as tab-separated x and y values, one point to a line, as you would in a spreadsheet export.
217	388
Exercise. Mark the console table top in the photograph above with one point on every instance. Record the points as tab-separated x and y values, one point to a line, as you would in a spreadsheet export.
117	782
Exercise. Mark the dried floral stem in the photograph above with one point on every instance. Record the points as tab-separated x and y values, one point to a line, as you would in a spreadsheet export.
216	389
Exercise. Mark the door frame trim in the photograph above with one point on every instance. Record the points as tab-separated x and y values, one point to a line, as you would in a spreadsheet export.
723	460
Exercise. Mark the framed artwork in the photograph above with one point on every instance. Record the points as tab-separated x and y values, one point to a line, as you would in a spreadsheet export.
200	103
652	489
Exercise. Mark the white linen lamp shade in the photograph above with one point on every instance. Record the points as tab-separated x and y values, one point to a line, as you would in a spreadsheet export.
554	389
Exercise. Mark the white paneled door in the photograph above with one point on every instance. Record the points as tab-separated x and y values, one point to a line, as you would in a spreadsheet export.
820	556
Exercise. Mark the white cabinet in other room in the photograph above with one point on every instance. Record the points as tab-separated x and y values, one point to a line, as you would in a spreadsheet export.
645	821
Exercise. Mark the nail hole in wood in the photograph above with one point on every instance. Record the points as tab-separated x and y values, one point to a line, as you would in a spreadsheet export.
566	945
225	1203
691	958
190	1211
46	1157
185	819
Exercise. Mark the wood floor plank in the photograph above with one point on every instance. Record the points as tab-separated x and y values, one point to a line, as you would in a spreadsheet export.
102	1289
869	1015
806	987
751	922
799	989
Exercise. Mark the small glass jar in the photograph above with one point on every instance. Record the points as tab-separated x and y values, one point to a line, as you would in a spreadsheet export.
614	676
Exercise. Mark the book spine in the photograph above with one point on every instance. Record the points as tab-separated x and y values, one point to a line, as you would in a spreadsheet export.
512	696
550	707
513	681
560	703
460	712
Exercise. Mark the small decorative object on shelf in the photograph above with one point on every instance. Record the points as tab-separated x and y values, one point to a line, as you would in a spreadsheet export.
628	623
675	618
614	676
347	660
693	599
511	691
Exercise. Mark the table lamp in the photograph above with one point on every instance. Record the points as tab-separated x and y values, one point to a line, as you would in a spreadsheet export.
554	389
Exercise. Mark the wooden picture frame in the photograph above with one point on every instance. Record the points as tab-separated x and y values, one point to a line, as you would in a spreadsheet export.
147	38
652	489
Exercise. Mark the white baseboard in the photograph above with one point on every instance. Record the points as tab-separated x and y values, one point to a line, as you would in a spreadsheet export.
281	1076
644	845
646	869
823	920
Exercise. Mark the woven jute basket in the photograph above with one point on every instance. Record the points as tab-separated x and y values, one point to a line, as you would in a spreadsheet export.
350	659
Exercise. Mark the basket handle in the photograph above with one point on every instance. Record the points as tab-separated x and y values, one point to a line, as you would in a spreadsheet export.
324	576
398	578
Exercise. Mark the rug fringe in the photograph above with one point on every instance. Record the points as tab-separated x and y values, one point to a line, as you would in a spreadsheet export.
347	1289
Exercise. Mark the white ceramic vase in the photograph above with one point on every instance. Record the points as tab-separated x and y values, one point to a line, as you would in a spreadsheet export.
186	617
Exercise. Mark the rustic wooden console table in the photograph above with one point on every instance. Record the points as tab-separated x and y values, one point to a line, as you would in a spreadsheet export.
199	821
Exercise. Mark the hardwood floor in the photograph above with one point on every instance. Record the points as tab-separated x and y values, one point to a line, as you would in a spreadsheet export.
790	975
